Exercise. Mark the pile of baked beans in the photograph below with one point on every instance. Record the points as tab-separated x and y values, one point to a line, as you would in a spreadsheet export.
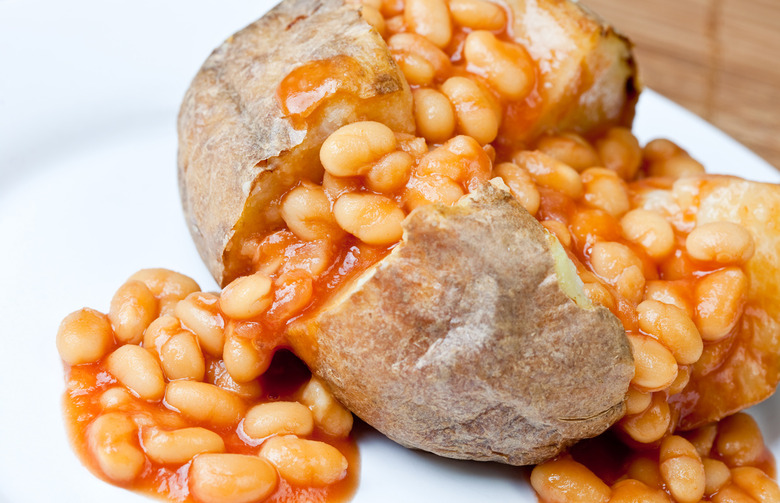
170	395
177	390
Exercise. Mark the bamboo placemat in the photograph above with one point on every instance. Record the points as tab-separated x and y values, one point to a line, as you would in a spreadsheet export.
718	58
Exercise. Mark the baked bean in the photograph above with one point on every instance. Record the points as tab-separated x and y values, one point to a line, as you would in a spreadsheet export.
217	374
703	438
204	402
650	425
199	312
334	186
84	336
390	173
231	478
649	230
112	441
278	418
550	172
433	114
181	357
571	149
352	149
637	401
412	145
605	190
478	14
159	331
169	287
249	296
732	494
756	483
682	469
423	190
645	469
460	158
631	284
634	491
716	475
722	242
390	8
133	308
306	211
305	462
474	110
115	398
520	184
395	25
371	218
419	59
739	441
416	70
565	480
311	257
659	150
720	300
599	294
429	18
560	230
617	264
179	446
655	366
507	67
243	360
669	292
373	17
677	166
294	291
673	328
681	381
329	415
619	150
138	370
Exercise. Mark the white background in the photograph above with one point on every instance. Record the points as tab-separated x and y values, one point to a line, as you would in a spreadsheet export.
89	92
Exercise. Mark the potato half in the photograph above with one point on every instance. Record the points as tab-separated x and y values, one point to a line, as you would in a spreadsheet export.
240	147
473	338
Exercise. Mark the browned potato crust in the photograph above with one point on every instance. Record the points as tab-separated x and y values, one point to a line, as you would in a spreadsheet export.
463	343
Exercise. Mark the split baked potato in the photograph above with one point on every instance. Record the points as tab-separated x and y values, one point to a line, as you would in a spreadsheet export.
472	337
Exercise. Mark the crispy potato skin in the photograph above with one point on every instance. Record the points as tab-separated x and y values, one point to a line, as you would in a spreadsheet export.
239	151
462	343
750	373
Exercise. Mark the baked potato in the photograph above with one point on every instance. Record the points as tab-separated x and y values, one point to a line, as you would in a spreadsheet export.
469	336
742	368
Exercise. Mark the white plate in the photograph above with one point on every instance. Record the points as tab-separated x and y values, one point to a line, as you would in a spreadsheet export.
88	98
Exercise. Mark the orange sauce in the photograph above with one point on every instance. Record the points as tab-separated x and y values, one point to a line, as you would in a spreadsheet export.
85	384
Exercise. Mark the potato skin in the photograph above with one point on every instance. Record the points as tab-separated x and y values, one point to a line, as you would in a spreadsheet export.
462	343
239	150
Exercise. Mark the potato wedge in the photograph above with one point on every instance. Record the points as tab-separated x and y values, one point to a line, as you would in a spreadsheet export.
472	339
743	368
